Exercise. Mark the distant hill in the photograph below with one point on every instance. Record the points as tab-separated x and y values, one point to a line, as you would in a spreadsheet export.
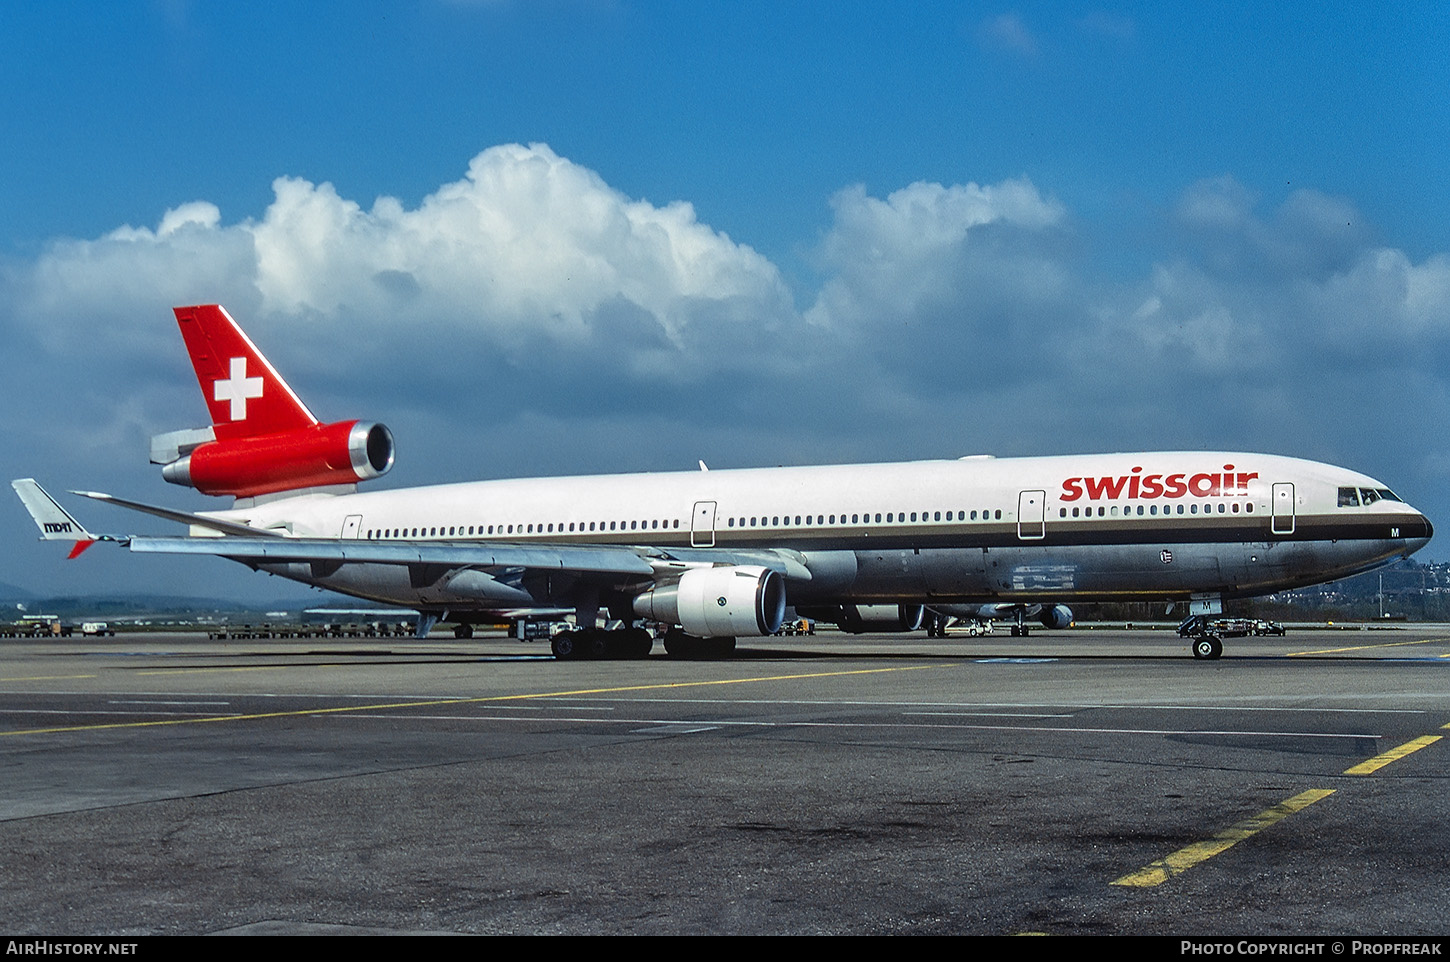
148	606
10	594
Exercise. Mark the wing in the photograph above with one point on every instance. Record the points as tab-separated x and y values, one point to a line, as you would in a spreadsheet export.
593	559
640	564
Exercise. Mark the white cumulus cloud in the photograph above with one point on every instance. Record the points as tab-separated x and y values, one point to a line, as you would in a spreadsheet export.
526	241
888	257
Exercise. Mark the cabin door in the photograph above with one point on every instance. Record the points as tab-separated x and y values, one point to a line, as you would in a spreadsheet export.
1031	515
702	525
1282	508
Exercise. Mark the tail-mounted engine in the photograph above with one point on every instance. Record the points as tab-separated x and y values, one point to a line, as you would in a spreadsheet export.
316	456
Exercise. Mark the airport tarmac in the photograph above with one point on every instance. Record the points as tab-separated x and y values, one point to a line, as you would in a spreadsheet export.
1074	782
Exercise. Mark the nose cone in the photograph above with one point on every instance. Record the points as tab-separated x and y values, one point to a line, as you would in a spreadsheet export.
1417	533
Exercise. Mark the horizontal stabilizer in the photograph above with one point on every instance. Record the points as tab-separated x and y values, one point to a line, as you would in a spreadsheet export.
185	517
174	445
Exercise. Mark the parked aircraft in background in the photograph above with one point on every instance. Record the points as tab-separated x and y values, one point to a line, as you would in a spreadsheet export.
715	555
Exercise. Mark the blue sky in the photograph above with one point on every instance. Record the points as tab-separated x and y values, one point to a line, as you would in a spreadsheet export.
565	237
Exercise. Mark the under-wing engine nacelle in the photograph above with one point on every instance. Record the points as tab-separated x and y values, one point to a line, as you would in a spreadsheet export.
876	619
727	601
324	454
1056	616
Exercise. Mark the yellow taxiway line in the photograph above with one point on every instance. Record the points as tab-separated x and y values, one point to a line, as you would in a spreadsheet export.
1185	858
1388	644
1380	761
301	712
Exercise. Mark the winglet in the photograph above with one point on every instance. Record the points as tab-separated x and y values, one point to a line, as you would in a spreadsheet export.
54	522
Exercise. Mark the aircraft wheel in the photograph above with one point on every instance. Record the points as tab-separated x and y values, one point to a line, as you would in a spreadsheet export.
1207	648
637	643
565	645
462	631
680	645
599	644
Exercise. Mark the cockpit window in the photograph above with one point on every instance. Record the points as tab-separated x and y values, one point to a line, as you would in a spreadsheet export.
1357	497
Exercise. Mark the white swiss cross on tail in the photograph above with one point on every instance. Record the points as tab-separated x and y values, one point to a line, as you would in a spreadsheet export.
238	388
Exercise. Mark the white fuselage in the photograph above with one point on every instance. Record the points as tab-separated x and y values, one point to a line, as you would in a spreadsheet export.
1167	525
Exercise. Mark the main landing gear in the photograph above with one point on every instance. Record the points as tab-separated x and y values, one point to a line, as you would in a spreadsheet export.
601	644
680	645
633	643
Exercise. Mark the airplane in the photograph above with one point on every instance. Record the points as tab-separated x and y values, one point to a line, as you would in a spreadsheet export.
709	556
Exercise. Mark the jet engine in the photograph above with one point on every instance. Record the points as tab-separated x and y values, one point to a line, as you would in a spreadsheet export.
1055	616
324	454
718	602
859	619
